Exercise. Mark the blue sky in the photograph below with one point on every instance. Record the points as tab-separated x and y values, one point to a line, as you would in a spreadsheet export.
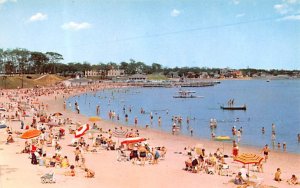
205	33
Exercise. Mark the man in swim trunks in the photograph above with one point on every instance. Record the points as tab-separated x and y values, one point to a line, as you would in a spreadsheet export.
266	151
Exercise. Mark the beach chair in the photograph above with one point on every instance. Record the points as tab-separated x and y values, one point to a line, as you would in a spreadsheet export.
48	178
224	170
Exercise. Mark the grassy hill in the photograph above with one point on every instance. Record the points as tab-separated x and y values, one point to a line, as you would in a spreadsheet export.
29	81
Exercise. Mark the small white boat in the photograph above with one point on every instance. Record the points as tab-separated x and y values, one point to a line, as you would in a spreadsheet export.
186	94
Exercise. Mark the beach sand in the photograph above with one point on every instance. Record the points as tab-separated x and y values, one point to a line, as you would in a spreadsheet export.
16	170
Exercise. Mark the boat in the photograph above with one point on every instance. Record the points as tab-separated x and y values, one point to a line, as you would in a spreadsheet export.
222	138
186	94
234	107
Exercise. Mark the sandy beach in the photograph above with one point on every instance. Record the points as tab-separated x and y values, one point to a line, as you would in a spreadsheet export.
17	171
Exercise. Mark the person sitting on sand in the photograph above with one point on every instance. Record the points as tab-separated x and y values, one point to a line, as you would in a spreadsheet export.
238	180
77	153
65	162
89	173
71	172
26	147
53	161
293	180
9	138
277	175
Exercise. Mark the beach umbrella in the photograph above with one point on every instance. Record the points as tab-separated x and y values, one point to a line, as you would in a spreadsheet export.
198	148
248	158
57	114
2	109
31	134
94	119
223	139
119	133
133	140
81	130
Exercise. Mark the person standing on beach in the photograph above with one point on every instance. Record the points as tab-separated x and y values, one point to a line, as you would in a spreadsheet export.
284	146
273	128
135	121
159	121
65	106
273	140
266	151
98	110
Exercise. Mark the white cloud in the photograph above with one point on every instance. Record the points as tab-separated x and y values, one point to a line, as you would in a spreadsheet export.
240	15
292	17
281	8
38	17
76	26
236	2
292	1
175	12
287	6
5	1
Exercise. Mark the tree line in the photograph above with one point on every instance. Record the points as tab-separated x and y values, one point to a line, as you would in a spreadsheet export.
23	61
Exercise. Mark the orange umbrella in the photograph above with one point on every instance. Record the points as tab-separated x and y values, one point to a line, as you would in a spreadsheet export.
94	119
57	114
31	134
248	158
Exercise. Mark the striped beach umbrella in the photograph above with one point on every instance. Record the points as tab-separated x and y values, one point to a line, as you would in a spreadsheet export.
119	133
81	130
133	140
248	158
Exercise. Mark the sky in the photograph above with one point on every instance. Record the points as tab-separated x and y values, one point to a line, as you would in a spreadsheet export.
195	33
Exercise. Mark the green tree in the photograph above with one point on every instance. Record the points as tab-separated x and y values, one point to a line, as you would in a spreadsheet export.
54	59
39	60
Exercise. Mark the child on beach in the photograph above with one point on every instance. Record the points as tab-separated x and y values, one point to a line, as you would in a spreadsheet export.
89	173
277	175
71	172
293	180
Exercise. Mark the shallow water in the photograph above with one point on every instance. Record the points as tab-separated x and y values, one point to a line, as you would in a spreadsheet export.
275	102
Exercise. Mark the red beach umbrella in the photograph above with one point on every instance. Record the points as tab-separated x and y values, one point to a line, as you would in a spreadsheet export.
133	140
81	130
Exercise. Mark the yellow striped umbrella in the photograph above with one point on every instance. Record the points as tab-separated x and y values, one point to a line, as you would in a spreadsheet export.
94	118
248	158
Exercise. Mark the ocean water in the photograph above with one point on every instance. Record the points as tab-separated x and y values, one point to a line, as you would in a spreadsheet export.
275	102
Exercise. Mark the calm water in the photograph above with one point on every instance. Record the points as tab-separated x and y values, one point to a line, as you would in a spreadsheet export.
275	102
